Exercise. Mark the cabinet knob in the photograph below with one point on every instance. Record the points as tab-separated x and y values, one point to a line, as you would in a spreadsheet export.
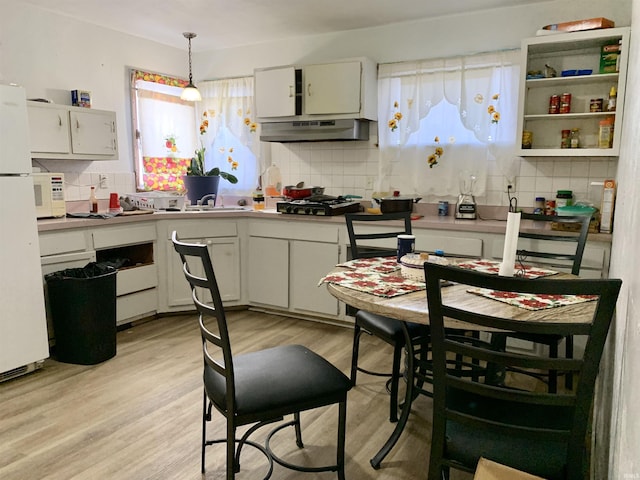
309	89
59	121
291	91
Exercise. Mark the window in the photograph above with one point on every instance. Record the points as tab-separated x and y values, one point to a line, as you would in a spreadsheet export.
444	120
168	131
164	127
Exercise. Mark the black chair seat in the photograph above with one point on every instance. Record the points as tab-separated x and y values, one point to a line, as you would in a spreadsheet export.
266	384
386	328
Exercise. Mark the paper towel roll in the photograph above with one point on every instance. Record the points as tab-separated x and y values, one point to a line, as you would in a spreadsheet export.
510	245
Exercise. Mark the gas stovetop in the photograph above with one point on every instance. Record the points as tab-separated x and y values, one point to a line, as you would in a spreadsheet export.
322	206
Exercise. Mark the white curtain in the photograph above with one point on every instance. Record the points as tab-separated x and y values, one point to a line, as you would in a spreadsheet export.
232	135
442	121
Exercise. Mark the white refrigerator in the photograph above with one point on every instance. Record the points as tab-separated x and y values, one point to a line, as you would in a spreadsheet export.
23	327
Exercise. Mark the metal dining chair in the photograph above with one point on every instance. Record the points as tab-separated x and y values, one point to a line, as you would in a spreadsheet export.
548	249
256	388
540	432
362	245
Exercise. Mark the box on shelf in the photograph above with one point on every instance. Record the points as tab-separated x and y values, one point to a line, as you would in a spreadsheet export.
579	25
81	98
156	200
610	58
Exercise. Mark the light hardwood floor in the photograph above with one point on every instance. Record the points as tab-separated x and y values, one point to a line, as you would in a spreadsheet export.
137	415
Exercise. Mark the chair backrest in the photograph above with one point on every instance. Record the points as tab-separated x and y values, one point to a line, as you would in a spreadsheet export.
579	239
198	270
564	415
358	236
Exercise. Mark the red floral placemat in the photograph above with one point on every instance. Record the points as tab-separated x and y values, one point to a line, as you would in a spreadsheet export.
380	284
530	301
493	266
374	264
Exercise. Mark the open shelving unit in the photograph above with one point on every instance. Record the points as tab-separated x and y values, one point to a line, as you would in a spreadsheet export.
571	51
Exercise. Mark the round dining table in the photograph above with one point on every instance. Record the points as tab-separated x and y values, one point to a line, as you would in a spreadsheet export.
412	307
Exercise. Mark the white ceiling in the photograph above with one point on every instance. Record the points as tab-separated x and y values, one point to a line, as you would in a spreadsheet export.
231	23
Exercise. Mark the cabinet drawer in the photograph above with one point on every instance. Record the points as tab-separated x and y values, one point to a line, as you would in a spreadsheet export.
62	242
295	231
135	279
209	228
113	237
136	305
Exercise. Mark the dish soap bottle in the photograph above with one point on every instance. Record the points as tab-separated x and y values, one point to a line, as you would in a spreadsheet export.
93	201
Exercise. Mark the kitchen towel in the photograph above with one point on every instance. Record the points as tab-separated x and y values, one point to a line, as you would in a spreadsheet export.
510	245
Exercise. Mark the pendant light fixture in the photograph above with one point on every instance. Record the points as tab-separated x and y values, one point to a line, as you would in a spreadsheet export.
190	92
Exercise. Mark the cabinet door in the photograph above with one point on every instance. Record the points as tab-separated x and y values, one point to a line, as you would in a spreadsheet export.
225	257
268	282
93	133
49	129
275	92
332	88
310	261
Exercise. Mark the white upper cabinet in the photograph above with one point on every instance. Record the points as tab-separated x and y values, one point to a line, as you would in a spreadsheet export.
74	133
275	92
93	132
333	90
571	52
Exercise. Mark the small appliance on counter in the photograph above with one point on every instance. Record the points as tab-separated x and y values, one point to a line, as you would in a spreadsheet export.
466	207
48	189
320	205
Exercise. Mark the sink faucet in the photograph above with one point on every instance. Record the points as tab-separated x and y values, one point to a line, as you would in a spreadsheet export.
207	197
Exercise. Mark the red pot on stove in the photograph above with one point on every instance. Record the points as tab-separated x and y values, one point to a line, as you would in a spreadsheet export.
297	193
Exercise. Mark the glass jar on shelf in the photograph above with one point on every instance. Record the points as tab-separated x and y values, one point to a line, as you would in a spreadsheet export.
575	138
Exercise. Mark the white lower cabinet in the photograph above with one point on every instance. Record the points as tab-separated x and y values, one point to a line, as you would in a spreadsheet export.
286	260
137	279
221	238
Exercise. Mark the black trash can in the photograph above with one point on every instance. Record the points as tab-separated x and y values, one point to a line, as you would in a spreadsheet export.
82	302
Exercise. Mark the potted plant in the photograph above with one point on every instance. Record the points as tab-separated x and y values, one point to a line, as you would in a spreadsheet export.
199	182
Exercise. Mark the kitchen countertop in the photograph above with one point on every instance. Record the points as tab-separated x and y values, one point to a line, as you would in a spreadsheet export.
489	221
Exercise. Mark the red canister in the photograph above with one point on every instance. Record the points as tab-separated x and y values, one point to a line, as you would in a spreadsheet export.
565	103
554	104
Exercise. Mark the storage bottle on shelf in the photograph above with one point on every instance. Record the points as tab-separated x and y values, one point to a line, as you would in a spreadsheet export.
575	138
611	103
605	133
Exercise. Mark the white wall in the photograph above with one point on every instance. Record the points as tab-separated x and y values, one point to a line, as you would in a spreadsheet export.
622	378
51	55
347	169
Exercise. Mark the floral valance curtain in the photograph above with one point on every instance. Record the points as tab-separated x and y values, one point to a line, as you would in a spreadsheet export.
444	120
230	135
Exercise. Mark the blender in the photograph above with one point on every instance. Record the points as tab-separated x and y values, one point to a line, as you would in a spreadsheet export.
466	205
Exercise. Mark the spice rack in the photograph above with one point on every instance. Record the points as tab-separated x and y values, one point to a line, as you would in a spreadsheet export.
570	51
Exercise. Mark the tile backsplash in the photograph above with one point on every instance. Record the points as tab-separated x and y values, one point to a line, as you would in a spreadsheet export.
78	185
352	168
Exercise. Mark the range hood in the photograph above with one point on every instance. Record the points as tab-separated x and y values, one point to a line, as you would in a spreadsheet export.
315	130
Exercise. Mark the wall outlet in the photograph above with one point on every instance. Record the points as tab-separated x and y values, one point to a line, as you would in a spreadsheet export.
510	185
103	181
